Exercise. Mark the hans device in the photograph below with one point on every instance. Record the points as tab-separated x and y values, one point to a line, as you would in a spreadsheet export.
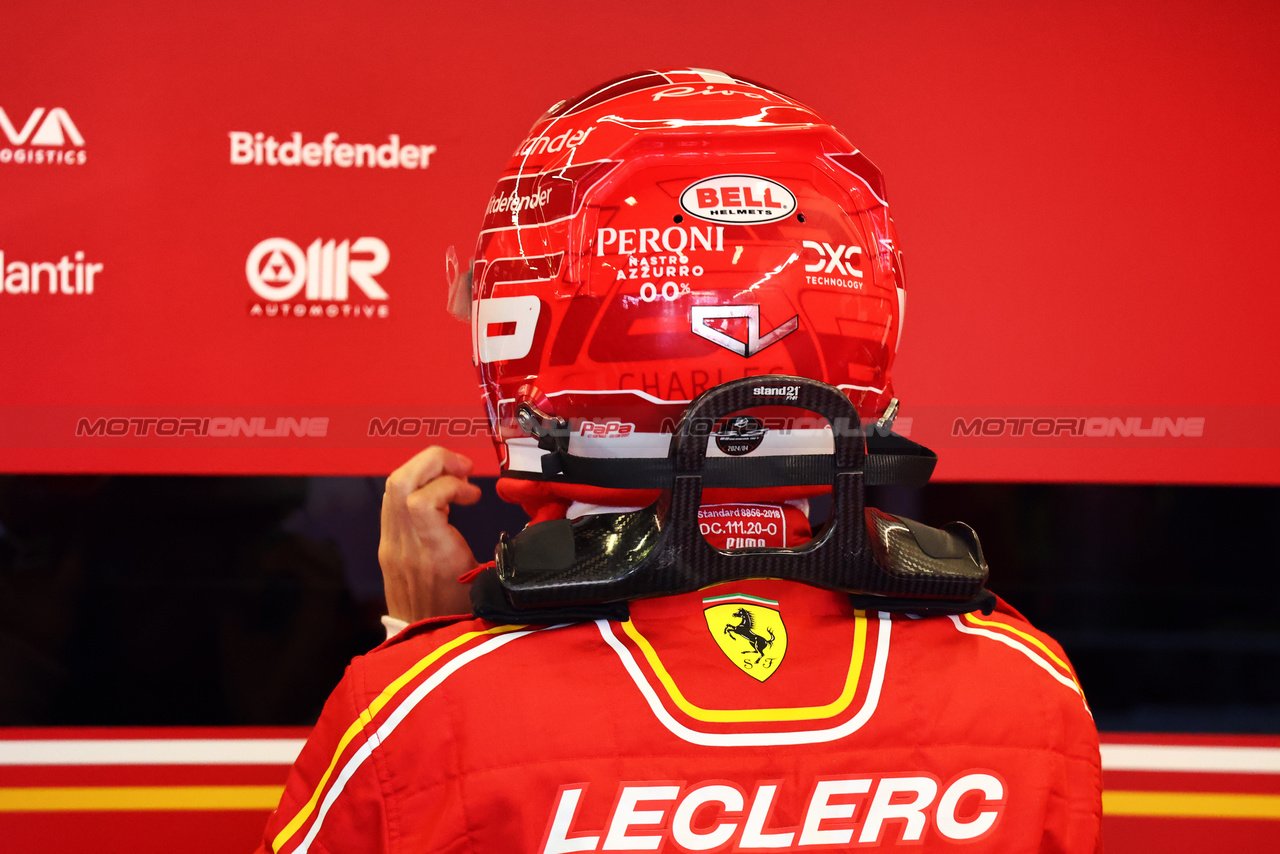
883	561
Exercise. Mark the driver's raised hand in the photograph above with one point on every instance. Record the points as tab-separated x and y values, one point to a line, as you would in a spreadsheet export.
421	554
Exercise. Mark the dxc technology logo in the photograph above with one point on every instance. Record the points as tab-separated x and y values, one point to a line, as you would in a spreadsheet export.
42	138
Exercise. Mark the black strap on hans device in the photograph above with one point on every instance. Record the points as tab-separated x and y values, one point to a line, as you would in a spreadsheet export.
890	460
605	559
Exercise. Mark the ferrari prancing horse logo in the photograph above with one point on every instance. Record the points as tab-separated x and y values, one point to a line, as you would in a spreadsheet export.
750	634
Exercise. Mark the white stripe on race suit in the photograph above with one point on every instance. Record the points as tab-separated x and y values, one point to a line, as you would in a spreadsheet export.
755	739
1022	648
393	720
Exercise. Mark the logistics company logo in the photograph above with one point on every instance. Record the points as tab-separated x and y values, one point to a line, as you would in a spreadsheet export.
42	138
257	149
700	314
749	632
738	200
740	435
278	271
839	259
65	276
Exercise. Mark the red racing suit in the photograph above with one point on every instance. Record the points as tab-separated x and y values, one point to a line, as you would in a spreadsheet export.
761	715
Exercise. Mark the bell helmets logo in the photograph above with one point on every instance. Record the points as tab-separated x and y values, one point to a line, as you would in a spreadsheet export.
738	200
329	279
56	135
700	314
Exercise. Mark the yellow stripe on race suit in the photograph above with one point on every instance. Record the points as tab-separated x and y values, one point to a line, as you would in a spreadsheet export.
125	798
367	716
978	621
800	713
1191	804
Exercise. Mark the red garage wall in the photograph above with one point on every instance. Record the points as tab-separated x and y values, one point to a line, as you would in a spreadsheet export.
1085	193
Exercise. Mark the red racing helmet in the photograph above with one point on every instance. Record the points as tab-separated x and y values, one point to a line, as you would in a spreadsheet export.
657	236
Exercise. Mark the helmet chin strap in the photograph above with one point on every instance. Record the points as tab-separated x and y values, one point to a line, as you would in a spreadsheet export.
606	559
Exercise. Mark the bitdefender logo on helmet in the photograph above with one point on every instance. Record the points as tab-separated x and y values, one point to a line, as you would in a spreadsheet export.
259	149
45	137
329	279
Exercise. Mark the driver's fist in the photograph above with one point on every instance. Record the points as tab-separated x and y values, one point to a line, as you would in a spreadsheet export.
421	554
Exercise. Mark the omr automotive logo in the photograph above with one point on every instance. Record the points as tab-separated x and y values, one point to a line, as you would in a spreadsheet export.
45	137
330	279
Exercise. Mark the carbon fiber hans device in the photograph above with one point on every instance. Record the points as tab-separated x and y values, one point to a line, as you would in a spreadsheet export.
660	550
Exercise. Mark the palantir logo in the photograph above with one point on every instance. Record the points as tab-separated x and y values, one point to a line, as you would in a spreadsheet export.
42	138
318	282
